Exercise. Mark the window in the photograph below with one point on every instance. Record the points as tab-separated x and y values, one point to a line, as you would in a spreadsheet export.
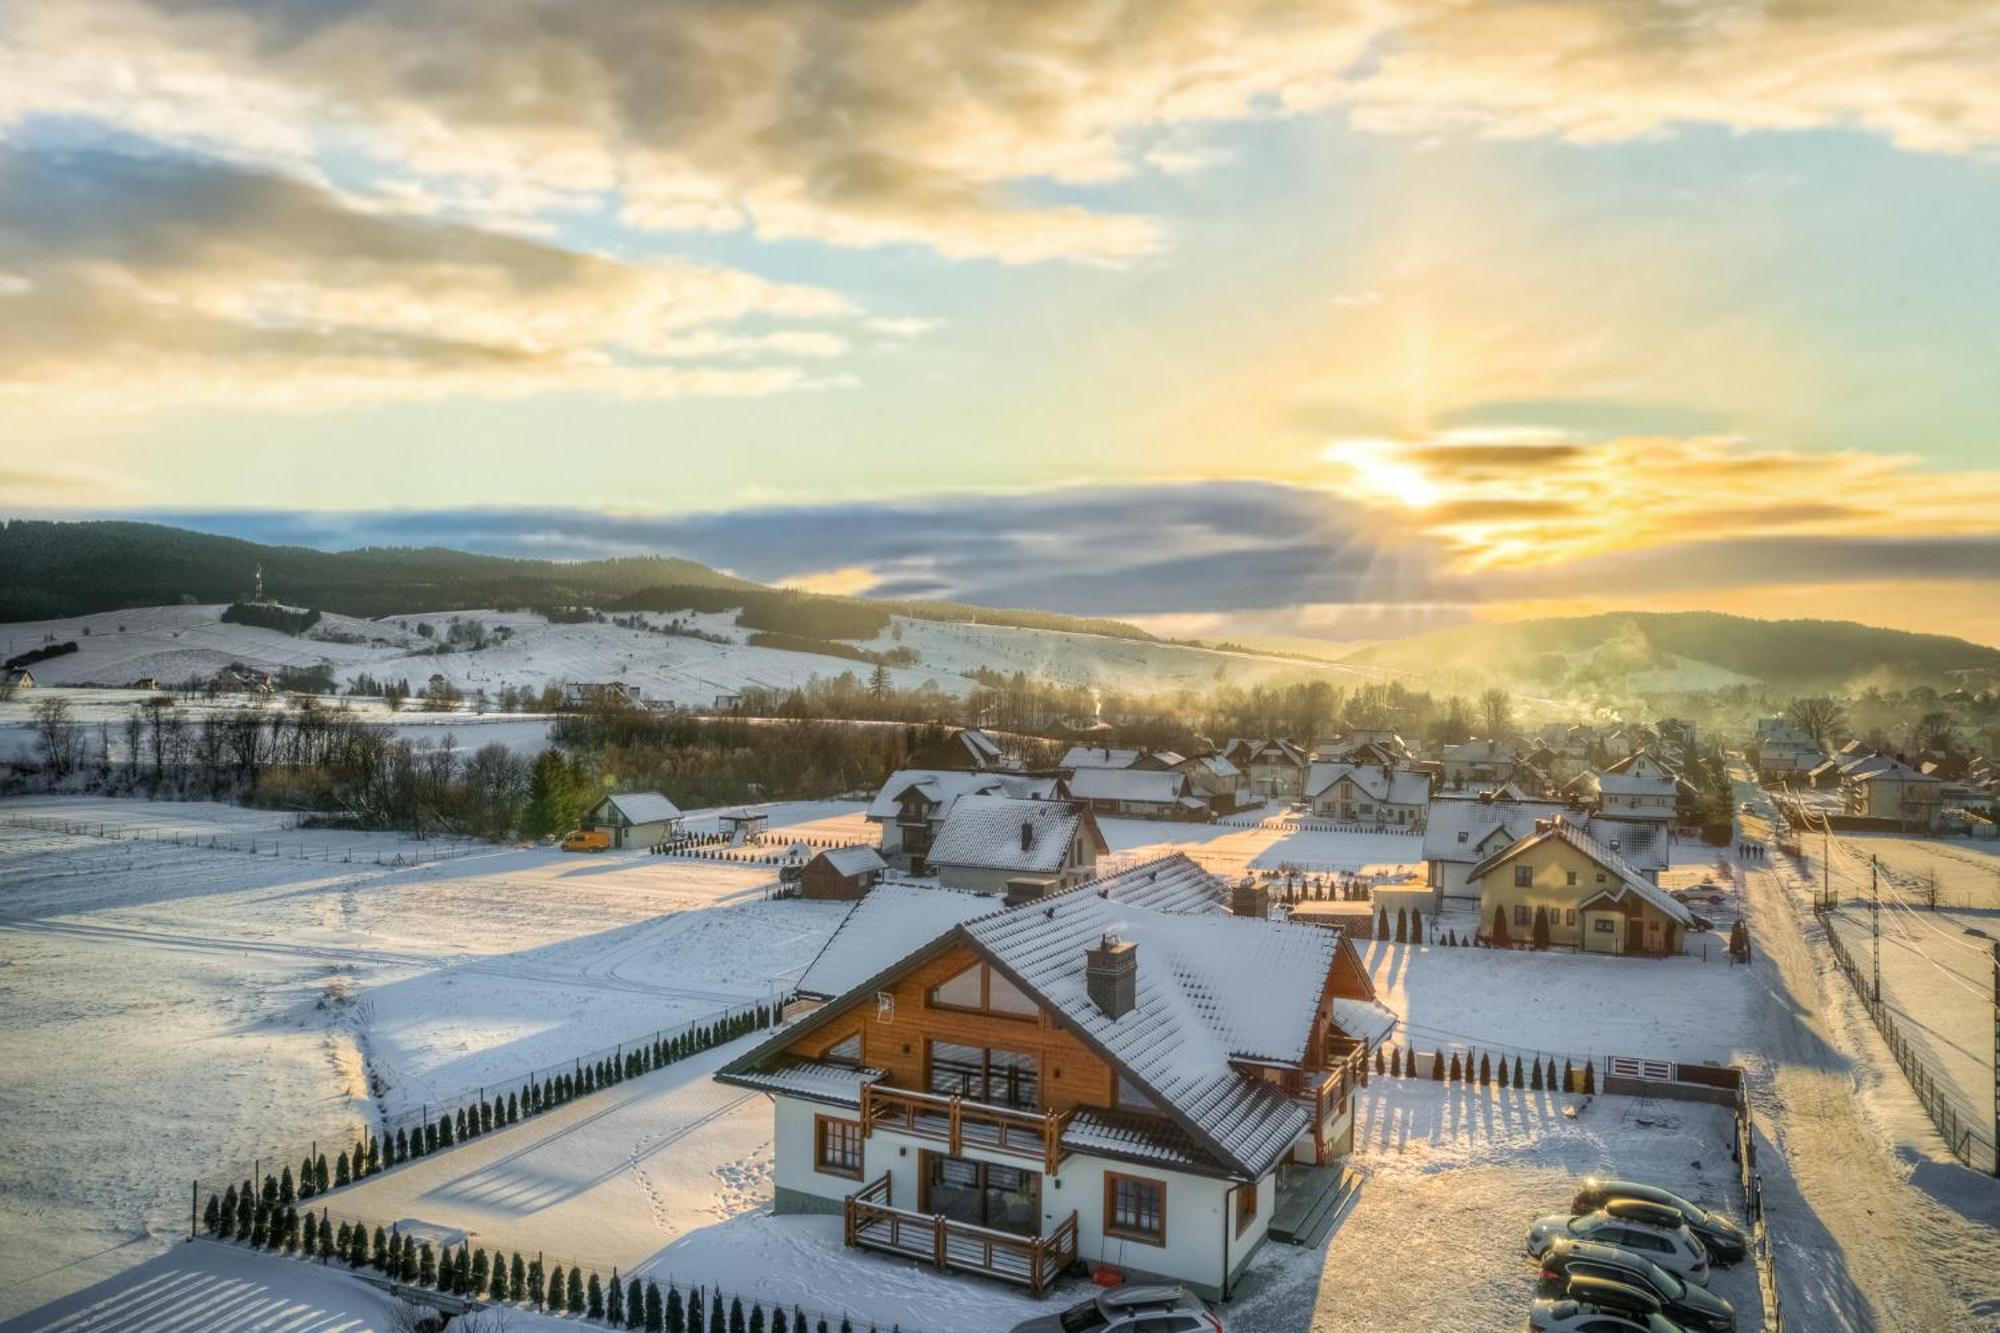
1131	1098
1135	1208
1569	917
1603	926
1463	834
1600	877
1246	1207
985	1074
846	1051
1522	916
1570	878
837	1146
980	989
1524	877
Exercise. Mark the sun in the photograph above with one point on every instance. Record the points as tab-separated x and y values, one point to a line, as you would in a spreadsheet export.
1379	470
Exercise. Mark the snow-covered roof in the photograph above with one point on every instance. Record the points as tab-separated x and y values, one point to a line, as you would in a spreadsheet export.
1127	784
814	1080
1478	751
1893	770
852	861
1278	751
1001	833
1450	816
1627	879
643	807
940	786
979	743
1173	883
1644	844
1210	988
1365	1020
1399	786
1634	784
1219	766
1090	756
892	922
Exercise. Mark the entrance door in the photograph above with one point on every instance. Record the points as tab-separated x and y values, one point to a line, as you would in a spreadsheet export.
1635	936
1004	1198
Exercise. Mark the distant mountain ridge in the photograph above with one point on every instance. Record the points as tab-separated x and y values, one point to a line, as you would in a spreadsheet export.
1663	652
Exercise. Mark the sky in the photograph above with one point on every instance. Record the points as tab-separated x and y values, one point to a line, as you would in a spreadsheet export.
1236	318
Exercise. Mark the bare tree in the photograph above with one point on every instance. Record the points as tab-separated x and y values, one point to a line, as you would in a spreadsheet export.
58	736
1816	715
1496	711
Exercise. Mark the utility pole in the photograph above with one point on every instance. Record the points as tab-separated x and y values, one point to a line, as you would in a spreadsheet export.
1875	921
1826	862
1996	1059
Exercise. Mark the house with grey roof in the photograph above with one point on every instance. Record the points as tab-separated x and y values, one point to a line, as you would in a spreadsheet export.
1561	887
634	818
1393	799
912	806
1089	1077
1137	793
996	844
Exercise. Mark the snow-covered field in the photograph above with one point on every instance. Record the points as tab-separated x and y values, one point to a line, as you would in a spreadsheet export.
170	1009
173	644
1228	851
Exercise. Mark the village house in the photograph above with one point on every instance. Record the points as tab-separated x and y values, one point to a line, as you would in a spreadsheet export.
1087	1077
600	694
1376	746
981	751
1219	782
634	818
913	804
1477	763
1274	770
842	874
1784	752
997	844
1462	831
1585	895
1096	756
1885	788
19	678
1633	797
1366	794
1136	793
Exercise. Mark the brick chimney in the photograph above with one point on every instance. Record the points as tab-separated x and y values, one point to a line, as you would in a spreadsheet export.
1111	975
1250	898
1027	835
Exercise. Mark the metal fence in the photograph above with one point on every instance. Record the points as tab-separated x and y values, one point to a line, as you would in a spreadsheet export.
1953	1121
1753	1195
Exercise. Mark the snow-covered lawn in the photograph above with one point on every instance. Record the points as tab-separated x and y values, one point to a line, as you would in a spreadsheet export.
172	1010
1451	1179
1229	851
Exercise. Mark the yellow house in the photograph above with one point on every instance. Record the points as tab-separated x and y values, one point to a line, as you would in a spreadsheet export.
1591	898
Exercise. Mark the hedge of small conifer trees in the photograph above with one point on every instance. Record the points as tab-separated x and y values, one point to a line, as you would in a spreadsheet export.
252	1210
1488	1070
501	1277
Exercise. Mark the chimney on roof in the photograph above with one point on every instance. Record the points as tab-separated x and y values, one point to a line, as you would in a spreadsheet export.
1027	835
1024	890
1544	825
1111	975
1250	898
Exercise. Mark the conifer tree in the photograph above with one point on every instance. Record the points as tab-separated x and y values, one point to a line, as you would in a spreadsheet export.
513	1109
1454	1067
1518	1084
1500	939
1590	1077
285	1194
1437	1066
697	1320
444	1131
1381	923
535	1282
412	1264
635	1305
1569	1077
735	1315
461	1125
340	1176
756	1319
558	1293
374	1156
614	1313
594	1298
1535	1079
1485	1071
211	1216
575	1292
380	1257
517	1279
342	1236
778	1323
653	1311
1541	929
1451	939
400	1152
306	1185
1416	925
479	1271
270	1191
488	1115
715	1316
1396	1062
1402	925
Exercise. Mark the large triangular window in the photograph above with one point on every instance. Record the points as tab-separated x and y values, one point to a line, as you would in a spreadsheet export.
846	1051
982	990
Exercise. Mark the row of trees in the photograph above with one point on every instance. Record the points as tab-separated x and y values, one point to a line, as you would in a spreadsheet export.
514	1278
1402	1063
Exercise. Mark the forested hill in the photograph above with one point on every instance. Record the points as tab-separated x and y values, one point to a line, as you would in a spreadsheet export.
1660	652
50	569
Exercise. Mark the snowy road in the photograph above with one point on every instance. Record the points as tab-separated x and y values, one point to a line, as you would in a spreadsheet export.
1858	1246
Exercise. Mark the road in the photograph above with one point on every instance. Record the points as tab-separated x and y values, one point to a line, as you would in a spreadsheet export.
1859	1247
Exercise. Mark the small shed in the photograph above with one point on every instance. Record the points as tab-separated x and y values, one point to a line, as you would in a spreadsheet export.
741	826
843	873
634	818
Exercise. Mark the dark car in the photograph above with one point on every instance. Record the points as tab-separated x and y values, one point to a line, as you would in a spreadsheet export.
1725	1242
1136	1307
1685	1303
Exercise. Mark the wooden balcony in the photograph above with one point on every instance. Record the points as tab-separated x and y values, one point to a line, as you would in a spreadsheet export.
958	1123
1327	1090
873	1223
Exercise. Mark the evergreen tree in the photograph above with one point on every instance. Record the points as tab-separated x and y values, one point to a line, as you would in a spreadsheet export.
1396	1062
1535	1079
401	1152
291	1232
653	1312
614	1313
555	800
395	1268
513	1109
1518	1084
1485	1071
270	1194
1416	925
479	1271
594	1298
1451	939
322	1181
1437	1066
1381	1065
381	1256
735	1315
211	1216
517	1279
306	1183
715	1316
1381	923
426	1265
246	1210
285	1194
340	1176
757	1319
1541	929
1590	1077
1402	926
412	1265
1500	939
778	1324
535	1282
461	1125
558	1293
1569	1077
1454	1067
575	1292
635	1305
374	1156
444	1131
488	1115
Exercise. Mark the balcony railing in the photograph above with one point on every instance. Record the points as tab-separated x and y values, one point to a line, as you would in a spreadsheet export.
958	1123
873	1223
1327	1091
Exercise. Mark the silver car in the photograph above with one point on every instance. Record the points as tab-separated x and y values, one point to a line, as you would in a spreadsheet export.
1576	1317
1136	1307
1673	1248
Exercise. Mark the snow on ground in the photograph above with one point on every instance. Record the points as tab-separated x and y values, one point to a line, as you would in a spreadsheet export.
1451	1179
176	643
172	1010
1228	851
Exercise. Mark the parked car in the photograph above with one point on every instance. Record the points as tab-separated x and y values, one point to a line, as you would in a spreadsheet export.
1136	1307
1725	1242
1688	1305
1672	1248
1568	1316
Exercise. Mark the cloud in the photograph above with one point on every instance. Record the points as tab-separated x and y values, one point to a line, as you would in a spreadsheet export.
939	124
152	278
